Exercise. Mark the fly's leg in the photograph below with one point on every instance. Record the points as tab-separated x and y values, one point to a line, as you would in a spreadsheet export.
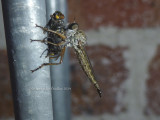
43	52
46	64
55	32
61	55
56	57
40	40
52	56
45	41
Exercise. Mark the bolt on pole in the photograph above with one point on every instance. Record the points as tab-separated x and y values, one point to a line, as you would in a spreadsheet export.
32	98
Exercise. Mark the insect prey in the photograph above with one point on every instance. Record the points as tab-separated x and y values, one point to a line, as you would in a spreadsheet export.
53	41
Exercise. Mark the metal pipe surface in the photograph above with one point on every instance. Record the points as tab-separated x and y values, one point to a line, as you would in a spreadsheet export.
60	75
31	93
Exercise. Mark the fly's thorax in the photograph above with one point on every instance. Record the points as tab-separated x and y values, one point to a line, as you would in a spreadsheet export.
56	24
60	22
70	37
81	37
74	37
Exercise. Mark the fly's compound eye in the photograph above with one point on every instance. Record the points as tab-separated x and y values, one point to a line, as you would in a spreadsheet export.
73	26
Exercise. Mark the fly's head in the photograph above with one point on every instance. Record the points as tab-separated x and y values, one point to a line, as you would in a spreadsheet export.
57	21
73	26
75	36
57	15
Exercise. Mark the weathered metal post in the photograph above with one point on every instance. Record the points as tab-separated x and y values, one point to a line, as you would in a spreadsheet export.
32	98
60	73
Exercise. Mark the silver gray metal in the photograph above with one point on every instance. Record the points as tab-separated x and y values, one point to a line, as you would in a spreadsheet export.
60	74
2	35
31	91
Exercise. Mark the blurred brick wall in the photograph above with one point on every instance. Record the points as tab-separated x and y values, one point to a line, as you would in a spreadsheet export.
110	62
153	85
120	13
109	66
124	14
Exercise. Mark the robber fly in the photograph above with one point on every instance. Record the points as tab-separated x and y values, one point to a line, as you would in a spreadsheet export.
55	50
73	37
77	39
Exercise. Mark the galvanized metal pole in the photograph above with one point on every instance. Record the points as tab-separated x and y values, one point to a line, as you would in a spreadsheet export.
60	74
31	91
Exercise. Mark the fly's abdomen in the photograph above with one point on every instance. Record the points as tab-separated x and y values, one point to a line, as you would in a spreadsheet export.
53	49
86	66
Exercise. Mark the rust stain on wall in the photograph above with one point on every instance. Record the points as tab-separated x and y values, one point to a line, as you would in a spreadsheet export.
153	85
120	13
109	66
6	105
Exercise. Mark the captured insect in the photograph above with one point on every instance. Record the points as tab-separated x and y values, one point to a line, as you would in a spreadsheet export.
70	36
55	49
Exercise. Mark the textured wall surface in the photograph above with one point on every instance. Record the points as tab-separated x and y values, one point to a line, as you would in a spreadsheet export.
124	49
142	45
121	13
111	72
153	85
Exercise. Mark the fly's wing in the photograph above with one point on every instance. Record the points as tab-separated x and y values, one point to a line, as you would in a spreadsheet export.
86	65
